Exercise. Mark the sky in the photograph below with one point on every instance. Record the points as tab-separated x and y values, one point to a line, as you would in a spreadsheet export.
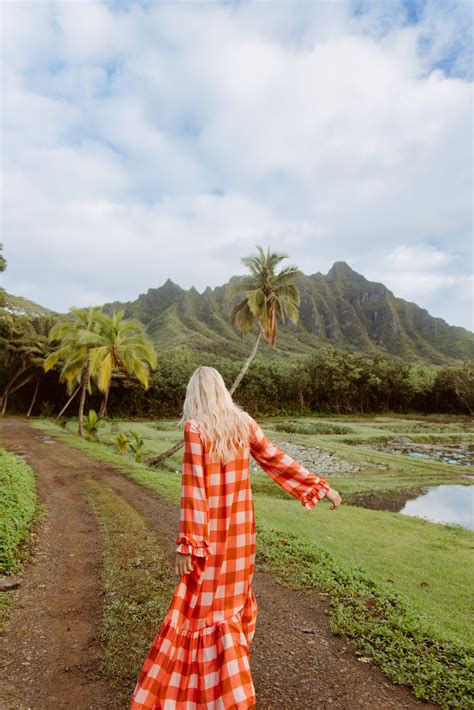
142	141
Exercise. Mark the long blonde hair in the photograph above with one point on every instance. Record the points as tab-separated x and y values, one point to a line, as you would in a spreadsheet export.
223	424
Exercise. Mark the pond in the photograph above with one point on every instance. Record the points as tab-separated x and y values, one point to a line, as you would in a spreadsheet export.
444	504
439	504
460	454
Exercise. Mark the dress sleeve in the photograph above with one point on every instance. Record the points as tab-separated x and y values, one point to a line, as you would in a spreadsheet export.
193	538
288	473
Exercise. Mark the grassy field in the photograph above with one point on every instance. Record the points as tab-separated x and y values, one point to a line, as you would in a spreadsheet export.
421	571
17	513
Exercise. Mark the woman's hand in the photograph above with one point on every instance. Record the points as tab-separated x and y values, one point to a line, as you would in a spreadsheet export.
334	497
183	564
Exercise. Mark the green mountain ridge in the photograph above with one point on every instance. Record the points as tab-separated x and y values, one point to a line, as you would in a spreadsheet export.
341	308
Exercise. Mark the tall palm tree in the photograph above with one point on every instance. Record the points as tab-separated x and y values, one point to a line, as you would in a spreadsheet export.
268	295
74	351
120	345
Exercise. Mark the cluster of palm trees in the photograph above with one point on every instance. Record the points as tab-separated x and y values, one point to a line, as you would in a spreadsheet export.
92	347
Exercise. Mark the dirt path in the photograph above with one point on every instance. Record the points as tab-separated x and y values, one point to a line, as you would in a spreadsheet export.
49	651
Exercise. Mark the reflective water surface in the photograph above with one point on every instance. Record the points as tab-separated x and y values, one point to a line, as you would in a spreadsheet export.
444	504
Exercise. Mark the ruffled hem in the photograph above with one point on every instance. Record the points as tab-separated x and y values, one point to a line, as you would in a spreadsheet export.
314	494
207	668
190	546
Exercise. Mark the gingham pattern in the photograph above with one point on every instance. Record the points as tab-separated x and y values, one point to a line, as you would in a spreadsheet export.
200	657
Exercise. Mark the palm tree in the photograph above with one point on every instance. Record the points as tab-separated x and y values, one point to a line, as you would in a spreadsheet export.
22	361
120	344
74	350
268	295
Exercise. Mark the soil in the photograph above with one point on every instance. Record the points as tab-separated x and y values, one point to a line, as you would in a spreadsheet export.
49	650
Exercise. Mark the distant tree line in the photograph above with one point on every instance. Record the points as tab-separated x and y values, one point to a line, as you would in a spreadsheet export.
330	381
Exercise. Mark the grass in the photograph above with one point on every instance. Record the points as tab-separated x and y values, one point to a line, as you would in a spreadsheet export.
426	567
429	564
17	508
379	621
19	514
136	579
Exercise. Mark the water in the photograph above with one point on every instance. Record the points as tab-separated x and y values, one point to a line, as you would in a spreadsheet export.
444	504
461	455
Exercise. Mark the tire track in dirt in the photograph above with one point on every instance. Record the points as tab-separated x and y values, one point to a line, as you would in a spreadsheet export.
291	669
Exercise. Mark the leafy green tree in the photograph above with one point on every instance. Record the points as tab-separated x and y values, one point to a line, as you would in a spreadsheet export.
24	355
3	266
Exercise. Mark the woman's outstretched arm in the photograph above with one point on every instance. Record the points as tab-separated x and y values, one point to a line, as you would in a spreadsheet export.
193	538
288	473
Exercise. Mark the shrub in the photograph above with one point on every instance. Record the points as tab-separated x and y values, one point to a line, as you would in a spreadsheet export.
17	507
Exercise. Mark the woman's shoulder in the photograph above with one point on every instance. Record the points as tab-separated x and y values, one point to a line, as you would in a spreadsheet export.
191	425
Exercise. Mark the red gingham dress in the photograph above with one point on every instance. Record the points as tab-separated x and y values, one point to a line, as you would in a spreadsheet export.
200	657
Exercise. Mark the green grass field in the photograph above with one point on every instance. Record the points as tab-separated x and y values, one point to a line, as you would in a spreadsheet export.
426	568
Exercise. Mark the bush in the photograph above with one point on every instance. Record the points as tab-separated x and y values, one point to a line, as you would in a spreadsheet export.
313	428
17	507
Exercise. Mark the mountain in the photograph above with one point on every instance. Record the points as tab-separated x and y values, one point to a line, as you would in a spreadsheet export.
19	306
340	308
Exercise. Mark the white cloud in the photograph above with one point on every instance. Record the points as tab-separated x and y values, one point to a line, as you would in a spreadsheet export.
167	140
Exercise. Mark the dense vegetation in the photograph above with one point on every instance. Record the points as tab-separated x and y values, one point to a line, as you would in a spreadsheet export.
17	506
330	381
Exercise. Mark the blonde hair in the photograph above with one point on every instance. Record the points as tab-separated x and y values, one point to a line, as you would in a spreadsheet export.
223	424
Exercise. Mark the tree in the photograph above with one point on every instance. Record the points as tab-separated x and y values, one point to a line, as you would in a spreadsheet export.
120	345
268	296
74	351
92	346
24	355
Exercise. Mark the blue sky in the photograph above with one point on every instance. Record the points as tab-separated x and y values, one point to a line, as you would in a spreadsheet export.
147	140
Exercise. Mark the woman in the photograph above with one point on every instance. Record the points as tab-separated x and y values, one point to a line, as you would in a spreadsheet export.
200	657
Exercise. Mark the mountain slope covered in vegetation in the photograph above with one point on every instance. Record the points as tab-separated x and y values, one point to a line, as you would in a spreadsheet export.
340	308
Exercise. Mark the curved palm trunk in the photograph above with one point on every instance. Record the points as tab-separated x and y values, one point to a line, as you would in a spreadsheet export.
85	382
10	389
68	402
157	460
103	404
246	364
34	398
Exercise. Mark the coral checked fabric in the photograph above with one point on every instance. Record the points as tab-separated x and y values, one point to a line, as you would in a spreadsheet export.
200	657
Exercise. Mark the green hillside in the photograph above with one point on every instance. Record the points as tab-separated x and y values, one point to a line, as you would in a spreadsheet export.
340	308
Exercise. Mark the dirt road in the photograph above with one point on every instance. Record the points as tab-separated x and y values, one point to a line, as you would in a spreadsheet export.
50	653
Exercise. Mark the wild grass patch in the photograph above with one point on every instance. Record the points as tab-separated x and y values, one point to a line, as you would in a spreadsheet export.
138	585
17	509
311	427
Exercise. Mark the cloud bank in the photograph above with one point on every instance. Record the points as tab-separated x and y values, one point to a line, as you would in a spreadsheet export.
146	141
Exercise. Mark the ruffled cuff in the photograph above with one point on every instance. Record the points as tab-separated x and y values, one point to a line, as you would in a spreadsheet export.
190	546
314	494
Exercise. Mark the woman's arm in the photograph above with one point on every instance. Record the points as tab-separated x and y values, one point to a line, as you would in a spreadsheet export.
288	473
193	539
